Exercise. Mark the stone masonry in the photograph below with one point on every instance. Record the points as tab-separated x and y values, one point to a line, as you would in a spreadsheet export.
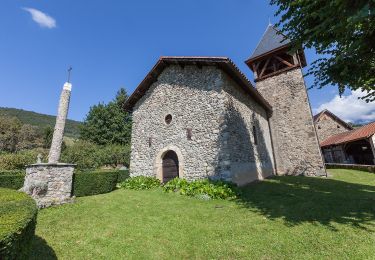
49	184
55	151
201	100
326	126
295	142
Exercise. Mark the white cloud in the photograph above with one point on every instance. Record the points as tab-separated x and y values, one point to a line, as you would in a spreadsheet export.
44	20
350	108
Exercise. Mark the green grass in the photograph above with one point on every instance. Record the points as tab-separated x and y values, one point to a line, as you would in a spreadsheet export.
280	218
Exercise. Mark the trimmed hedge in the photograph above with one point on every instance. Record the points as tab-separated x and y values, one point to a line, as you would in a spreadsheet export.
359	167
18	214
91	183
12	179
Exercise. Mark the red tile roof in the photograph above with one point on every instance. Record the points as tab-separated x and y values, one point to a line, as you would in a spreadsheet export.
360	133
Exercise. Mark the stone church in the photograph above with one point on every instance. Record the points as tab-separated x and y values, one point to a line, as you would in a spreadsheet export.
200	117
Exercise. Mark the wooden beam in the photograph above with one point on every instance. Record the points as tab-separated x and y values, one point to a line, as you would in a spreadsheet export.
264	67
284	61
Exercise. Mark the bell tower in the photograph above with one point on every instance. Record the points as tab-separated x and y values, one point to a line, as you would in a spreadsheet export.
279	78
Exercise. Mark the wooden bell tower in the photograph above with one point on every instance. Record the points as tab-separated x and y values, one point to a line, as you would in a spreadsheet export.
272	56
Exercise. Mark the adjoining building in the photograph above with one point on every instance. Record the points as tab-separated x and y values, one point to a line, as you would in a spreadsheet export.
351	147
200	117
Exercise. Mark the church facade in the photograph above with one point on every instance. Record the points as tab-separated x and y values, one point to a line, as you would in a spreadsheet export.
200	117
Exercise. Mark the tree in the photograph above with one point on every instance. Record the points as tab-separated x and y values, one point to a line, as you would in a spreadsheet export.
108	123
343	32
9	133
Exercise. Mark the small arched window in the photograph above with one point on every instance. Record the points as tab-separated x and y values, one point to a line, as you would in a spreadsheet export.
168	119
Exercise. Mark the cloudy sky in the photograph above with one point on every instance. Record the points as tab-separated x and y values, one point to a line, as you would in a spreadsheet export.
113	44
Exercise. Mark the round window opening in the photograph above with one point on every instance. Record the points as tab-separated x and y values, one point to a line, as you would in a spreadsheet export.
168	119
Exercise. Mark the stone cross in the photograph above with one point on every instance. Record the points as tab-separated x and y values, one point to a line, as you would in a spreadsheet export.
55	151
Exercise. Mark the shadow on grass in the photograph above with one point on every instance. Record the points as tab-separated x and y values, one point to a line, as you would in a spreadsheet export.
307	199
41	250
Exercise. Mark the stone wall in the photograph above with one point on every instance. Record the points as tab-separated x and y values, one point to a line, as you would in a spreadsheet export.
209	103
49	184
326	126
246	160
295	142
193	97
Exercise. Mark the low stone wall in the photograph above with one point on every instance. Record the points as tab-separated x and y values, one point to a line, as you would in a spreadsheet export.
359	167
49	184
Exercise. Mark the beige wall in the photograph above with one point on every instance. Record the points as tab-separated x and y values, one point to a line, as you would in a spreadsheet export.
326	126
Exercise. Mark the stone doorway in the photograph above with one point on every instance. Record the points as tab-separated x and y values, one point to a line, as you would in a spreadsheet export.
170	166
169	152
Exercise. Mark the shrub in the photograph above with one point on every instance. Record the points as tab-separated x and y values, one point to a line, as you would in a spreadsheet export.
17	161
87	155
122	176
95	182
18	214
140	183
12	181
202	188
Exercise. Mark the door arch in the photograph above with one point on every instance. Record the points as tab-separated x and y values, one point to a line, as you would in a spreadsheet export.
158	162
170	166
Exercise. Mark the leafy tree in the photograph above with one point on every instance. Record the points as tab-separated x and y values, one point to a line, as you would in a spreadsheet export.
47	137
108	123
9	133
29	137
343	32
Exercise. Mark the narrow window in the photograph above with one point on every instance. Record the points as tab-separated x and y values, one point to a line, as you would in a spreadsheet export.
255	134
168	119
188	133
149	141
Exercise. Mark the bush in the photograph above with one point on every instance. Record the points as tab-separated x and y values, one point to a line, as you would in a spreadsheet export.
92	183
12	180
18	214
17	161
87	155
140	183
122	176
202	188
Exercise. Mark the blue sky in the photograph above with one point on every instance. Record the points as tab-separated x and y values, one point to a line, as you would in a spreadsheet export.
113	44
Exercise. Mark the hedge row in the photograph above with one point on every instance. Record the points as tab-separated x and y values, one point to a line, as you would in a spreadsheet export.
14	181
18	214
84	183
98	182
359	167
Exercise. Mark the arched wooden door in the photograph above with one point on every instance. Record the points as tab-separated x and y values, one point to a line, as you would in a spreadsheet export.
170	166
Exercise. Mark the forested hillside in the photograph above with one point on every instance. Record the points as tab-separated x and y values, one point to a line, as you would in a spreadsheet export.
40	120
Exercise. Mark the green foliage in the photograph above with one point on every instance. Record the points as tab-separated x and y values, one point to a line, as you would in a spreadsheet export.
122	176
13	180
40	120
343	32
18	161
18	214
91	156
47	137
15	136
108	123
140	183
202	188
92	183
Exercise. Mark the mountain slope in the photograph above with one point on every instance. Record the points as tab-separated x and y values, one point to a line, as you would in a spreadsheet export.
40	120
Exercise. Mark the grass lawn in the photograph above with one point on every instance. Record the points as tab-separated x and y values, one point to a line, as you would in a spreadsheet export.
280	218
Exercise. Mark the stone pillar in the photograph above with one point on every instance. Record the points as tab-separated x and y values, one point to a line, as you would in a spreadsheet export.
55	151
